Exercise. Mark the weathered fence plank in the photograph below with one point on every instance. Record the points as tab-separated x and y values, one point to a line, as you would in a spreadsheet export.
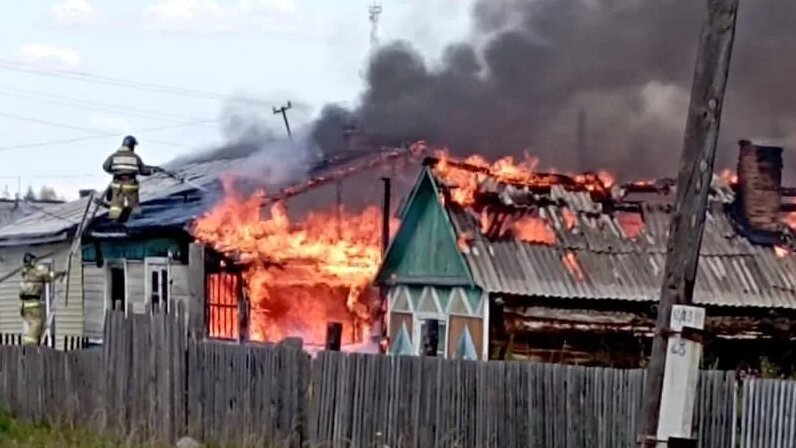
150	382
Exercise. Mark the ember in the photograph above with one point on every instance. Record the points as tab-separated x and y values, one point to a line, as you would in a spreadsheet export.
300	275
534	230
573	266
781	252
729	177
632	224
790	220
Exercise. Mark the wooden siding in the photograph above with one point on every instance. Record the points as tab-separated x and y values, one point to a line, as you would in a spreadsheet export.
94	299
456	325
425	250
398	319
68	320
179	284
136	288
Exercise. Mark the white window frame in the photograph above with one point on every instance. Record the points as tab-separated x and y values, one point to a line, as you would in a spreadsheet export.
160	264
417	330
115	263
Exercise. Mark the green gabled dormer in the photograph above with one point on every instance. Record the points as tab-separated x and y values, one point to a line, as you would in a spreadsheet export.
428	277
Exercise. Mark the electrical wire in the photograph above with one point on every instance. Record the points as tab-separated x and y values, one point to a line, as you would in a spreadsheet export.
118	82
99	134
74	128
67	101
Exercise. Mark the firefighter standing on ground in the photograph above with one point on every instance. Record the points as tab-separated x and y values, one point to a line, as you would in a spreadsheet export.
125	166
34	278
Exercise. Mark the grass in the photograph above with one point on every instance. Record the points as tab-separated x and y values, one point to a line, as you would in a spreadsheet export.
15	434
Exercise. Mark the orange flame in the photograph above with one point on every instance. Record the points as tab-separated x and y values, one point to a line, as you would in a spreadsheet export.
632	224
790	220
464	240
533	229
570	219
300	275
573	266
729	177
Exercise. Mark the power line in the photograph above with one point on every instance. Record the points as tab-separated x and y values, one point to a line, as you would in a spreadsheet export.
72	127
98	134
89	104
118	82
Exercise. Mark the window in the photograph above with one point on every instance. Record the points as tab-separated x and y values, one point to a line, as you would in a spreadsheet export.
158	283
442	335
117	286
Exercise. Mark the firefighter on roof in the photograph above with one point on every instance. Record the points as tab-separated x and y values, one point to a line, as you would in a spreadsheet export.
34	278
125	166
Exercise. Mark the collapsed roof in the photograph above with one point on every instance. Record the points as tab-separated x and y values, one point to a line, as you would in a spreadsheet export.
564	242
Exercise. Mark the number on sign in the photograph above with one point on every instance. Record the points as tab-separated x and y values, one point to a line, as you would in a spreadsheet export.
678	347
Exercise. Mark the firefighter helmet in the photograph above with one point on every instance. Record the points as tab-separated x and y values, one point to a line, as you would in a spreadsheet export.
130	142
28	258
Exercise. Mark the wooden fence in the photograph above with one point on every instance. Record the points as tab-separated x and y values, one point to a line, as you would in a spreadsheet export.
66	343
150	382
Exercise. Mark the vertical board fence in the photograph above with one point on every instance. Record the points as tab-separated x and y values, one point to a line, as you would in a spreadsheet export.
149	382
768	418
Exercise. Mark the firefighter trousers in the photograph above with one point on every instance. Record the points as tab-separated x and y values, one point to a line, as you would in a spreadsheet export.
123	194
33	314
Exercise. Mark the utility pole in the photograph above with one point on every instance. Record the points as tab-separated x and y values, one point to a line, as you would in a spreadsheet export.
693	183
283	110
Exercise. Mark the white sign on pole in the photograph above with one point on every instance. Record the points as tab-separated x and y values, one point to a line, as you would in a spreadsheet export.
680	375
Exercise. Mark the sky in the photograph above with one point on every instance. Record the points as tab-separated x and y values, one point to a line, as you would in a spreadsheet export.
76	76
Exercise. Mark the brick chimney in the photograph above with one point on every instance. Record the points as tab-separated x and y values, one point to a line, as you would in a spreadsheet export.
759	183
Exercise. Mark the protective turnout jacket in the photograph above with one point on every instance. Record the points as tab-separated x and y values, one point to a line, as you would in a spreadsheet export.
33	280
126	164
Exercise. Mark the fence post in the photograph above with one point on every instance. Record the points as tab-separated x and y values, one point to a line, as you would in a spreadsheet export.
197	290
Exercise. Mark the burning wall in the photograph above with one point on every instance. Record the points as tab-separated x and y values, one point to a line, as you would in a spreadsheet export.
299	274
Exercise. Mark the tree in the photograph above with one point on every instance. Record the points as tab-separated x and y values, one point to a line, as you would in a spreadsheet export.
47	194
30	195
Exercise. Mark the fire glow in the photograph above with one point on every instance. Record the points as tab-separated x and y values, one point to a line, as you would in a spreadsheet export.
299	276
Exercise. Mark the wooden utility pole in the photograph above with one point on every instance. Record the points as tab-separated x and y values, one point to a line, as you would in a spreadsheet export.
283	110
693	183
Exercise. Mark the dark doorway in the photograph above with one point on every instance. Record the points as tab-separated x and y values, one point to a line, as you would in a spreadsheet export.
118	288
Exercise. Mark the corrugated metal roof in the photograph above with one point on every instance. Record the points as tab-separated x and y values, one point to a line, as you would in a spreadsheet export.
12	210
54	224
732	270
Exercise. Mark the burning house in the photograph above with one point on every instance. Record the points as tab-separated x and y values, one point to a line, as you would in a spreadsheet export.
267	275
515	263
270	262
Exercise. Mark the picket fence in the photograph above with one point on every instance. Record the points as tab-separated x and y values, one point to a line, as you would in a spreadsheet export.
150	382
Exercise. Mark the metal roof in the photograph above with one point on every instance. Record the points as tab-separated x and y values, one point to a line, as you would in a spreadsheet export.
594	259
165	202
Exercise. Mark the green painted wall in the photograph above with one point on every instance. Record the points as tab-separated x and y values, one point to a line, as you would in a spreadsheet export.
424	250
132	250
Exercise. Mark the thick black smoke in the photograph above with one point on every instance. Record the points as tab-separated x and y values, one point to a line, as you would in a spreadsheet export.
531	66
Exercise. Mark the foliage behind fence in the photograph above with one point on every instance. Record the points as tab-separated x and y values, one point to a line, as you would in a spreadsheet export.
150	382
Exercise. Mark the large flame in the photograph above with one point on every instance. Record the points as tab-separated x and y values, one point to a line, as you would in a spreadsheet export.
299	276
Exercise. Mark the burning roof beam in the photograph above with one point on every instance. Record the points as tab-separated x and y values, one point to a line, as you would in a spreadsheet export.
381	159
534	180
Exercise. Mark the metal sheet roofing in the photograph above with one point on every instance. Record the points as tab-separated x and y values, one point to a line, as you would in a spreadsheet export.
161	200
595	259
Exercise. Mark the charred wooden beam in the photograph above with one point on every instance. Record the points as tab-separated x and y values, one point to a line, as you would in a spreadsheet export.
788	191
532	179
337	175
